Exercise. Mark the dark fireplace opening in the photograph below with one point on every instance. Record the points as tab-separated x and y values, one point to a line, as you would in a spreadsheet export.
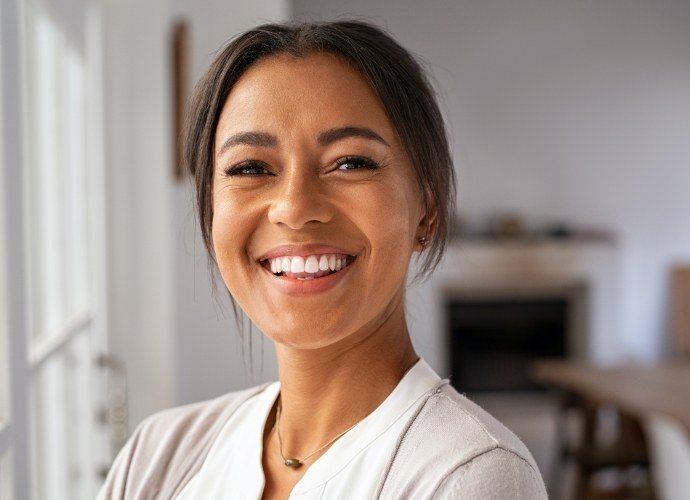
494	340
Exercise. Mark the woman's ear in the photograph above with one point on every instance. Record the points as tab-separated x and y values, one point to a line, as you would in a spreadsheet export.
426	229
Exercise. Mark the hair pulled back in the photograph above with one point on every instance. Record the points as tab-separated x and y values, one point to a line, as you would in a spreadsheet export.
394	74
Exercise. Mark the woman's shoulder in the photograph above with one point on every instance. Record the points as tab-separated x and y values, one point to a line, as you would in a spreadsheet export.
452	443
168	447
467	422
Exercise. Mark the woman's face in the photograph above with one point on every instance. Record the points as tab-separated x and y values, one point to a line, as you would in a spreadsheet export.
316	210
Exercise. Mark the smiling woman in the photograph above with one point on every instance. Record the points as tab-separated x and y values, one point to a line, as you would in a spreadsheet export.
321	168
328	180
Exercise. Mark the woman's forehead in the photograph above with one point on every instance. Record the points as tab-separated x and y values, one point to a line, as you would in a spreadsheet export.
285	92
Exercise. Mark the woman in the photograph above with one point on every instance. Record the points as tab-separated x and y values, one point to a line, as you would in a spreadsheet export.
321	167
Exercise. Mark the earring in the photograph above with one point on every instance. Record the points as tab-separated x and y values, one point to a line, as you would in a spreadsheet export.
423	240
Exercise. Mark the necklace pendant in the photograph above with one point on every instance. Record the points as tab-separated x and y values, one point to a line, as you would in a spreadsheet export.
293	462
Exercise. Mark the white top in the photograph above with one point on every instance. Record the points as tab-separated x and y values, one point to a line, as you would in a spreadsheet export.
350	468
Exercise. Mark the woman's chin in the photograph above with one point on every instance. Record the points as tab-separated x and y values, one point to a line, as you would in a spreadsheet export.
307	337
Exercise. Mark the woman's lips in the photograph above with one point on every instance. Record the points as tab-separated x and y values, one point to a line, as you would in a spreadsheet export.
306	268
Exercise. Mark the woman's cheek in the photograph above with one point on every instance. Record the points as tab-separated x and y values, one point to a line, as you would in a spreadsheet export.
226	240
228	220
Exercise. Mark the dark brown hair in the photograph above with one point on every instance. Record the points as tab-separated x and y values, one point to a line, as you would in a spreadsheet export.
396	77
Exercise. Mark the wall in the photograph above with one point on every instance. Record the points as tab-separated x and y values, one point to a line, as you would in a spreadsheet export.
564	111
139	199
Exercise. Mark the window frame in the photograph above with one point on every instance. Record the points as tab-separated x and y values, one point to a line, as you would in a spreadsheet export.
21	360
14	437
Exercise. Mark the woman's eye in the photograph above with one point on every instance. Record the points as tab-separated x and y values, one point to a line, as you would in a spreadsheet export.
247	168
356	162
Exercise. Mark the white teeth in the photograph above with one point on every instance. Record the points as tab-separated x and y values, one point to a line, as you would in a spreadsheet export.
311	265
323	263
297	265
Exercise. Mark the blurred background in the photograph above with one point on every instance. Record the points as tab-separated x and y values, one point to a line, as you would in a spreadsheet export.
570	127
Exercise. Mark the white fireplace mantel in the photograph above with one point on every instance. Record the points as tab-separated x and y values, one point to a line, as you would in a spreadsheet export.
542	268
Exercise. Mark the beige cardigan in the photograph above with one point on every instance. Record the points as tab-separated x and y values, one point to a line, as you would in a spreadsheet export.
450	448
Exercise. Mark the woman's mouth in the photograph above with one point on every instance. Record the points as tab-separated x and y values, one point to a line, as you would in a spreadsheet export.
307	267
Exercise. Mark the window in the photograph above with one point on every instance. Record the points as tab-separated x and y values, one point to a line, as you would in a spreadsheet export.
50	443
6	475
6	429
56	184
4	372
5	450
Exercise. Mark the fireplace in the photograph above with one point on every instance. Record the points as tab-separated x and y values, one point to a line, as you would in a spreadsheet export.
494	335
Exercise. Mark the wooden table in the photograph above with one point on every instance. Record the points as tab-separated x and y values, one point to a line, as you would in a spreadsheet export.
637	391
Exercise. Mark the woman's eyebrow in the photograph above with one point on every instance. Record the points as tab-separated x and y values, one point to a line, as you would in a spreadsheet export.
259	139
336	134
263	139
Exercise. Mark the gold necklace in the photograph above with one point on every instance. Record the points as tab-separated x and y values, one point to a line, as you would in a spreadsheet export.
298	462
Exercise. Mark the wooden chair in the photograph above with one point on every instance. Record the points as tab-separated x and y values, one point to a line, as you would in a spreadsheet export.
627	452
630	450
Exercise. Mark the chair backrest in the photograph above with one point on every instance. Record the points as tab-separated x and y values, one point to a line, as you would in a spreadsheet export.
680	312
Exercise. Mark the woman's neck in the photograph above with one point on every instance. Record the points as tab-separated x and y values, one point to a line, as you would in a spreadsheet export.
326	391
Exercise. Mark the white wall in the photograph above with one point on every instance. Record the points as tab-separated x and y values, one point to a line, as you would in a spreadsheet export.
576	111
139	199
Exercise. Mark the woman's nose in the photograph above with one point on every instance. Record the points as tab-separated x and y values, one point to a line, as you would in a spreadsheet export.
300	199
